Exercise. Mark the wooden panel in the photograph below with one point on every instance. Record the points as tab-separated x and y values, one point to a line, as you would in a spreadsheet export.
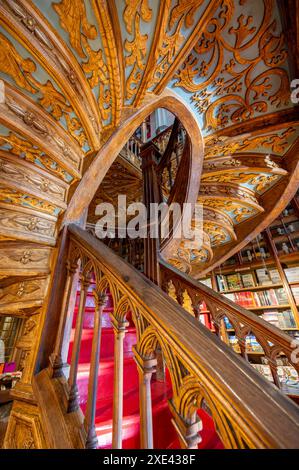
19	293
26	224
18	258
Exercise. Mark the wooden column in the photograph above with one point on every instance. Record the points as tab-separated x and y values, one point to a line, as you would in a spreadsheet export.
146	367
187	430
119	334
283	277
73	402
151	194
91	440
57	363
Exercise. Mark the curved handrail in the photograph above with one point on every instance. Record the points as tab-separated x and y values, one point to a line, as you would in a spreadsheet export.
248	410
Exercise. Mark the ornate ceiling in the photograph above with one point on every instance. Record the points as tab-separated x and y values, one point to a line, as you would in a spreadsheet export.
74	70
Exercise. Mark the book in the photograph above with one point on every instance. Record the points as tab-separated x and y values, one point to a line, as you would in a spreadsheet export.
295	290
222	283
274	275
248	280
281	295
207	282
234	281
292	274
272	316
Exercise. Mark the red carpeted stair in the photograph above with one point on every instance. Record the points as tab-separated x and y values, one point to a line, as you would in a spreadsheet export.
164	433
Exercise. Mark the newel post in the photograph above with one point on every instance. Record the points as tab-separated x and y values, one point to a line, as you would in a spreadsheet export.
57	362
146	367
91	439
73	401
120	329
187	430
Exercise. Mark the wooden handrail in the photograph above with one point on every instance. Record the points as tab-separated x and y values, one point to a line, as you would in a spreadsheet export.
272	339
247	410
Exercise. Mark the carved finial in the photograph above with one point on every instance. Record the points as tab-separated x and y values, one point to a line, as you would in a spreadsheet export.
101	298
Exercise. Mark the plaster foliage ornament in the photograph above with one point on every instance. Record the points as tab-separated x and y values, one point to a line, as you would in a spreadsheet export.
73	19
239	212
222	164
14	65
10	171
217	234
229	85
259	182
21	70
170	42
186	9
276	142
56	104
134	12
98	69
12	196
130	12
31	153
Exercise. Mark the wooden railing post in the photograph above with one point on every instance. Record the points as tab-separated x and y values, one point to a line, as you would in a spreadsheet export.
91	440
242	345
146	367
119	334
73	401
273	369
187	430
151	194
57	363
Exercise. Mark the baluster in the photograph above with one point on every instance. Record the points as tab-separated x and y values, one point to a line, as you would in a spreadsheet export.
119	334
100	302
160	368
217	328
242	345
187	430
56	360
179	292
146	367
273	369
196	304
73	402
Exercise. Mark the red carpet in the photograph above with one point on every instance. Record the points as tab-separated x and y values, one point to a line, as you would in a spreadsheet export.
165	436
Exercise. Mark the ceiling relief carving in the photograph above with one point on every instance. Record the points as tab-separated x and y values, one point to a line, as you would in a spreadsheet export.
237	69
51	99
16	145
276	142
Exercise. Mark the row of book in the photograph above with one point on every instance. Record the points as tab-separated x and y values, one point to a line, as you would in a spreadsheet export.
281	319
259	277
251	344
295	290
259	299
292	274
288	377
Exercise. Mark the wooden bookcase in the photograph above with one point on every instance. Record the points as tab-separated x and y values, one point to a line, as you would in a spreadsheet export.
264	278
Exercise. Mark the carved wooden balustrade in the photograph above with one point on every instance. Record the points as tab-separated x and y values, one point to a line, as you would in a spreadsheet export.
131	151
272	340
247	410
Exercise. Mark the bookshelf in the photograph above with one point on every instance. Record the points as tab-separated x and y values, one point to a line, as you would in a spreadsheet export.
264	278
